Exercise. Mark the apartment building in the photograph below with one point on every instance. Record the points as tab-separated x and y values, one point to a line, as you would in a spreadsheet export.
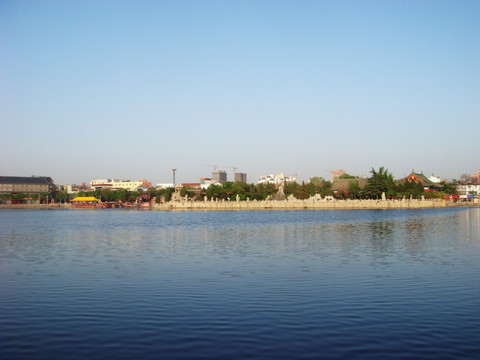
240	177
219	176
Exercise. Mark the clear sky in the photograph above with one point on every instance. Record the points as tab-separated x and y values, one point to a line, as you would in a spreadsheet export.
131	89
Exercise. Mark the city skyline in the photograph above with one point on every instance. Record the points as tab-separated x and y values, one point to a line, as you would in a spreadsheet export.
261	179
100	90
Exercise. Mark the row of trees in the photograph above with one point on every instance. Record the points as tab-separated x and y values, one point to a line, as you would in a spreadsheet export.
380	182
20	197
244	191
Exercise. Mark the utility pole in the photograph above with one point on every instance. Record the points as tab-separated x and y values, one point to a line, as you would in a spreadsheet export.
173	171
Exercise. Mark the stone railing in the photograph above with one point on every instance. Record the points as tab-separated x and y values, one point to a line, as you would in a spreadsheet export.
312	203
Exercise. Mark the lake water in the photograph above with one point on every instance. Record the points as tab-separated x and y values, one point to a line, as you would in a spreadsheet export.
123	284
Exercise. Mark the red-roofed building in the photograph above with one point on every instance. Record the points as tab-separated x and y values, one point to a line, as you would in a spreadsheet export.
146	184
428	185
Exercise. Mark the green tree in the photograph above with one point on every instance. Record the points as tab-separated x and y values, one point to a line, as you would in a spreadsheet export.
183	192
265	190
347	176
380	182
61	196
168	193
213	192
409	189
290	188
240	189
341	194
326	189
5	196
301	193
108	195
354	190
186	192
18	197
227	190
134	195
316	180
449	188
121	195
44	197
98	194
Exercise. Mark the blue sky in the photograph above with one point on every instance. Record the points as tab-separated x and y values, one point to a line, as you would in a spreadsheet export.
131	89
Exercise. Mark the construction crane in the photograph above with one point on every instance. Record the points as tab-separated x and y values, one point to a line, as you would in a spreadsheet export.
232	167
214	168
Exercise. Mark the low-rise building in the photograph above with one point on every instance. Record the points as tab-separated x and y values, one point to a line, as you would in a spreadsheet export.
206	182
71	188
470	189
116	184
27	185
277	179
344	184
468	192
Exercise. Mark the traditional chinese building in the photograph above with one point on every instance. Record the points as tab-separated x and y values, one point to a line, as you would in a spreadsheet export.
428	185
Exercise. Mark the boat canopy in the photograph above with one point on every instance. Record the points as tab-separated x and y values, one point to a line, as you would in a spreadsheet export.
85	198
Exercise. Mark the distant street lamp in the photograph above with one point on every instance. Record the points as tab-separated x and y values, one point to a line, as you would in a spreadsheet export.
173	170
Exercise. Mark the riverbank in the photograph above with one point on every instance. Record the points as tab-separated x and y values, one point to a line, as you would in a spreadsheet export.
310	204
35	206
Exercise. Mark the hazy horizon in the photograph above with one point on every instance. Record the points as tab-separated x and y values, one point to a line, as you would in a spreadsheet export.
92	90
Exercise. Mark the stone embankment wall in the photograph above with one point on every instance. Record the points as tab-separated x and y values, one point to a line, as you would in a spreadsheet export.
35	206
311	203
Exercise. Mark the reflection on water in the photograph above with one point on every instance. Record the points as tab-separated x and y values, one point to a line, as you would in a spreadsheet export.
273	284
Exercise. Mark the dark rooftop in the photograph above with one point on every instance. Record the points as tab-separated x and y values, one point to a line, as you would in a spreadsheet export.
26	180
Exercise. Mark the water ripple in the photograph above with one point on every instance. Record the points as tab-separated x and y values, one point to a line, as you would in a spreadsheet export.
279	285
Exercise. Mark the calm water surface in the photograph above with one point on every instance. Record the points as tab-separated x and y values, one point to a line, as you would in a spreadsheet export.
97	284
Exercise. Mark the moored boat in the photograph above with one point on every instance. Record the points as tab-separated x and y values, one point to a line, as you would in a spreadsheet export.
144	205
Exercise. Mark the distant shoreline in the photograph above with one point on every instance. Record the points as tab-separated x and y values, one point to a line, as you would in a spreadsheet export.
277	205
